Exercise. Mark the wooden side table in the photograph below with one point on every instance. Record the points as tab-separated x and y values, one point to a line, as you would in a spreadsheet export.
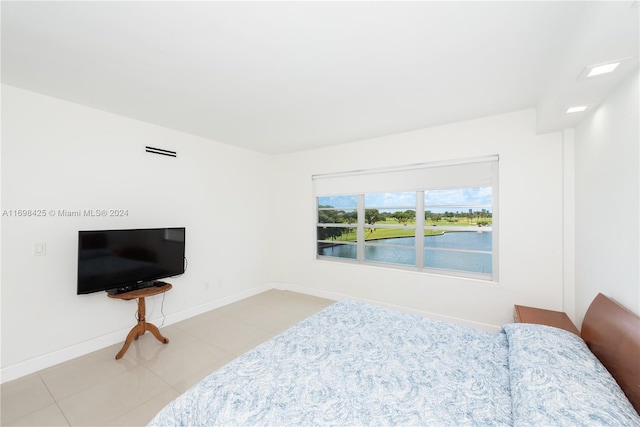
142	325
558	319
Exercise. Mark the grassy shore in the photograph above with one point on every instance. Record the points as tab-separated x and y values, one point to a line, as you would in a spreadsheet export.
388	233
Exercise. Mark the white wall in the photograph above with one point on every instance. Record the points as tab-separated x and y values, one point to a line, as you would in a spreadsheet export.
59	155
608	201
531	221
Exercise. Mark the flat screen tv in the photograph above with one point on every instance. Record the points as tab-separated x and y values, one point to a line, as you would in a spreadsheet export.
123	260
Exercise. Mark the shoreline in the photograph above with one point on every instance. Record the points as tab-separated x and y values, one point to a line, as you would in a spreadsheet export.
324	244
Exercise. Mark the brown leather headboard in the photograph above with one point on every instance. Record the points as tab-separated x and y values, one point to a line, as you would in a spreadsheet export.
613	334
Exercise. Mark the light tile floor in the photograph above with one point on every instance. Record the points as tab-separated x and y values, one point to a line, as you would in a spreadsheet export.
97	390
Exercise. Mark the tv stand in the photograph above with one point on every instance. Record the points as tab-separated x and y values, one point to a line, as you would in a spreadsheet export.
142	325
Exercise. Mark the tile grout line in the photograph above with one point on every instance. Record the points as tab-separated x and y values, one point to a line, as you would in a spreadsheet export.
146	400
54	399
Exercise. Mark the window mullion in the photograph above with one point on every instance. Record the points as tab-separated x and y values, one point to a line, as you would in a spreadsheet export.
419	230
360	230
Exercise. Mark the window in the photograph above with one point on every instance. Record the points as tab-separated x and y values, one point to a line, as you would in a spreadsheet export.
390	228
438	218
337	225
461	225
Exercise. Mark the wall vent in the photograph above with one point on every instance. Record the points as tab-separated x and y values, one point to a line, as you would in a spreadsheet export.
154	150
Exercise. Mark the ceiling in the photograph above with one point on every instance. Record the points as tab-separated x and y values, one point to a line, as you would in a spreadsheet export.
278	77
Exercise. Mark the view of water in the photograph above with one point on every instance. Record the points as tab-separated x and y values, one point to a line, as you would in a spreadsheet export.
435	253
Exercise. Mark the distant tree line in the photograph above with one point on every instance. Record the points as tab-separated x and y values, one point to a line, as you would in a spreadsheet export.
373	216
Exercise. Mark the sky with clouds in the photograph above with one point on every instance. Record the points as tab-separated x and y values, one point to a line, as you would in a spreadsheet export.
453	200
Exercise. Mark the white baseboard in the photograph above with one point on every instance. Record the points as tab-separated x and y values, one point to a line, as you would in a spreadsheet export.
339	297
36	364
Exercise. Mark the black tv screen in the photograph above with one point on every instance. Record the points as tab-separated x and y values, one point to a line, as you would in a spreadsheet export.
122	260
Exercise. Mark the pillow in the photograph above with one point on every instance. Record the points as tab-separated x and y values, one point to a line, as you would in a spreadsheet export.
556	380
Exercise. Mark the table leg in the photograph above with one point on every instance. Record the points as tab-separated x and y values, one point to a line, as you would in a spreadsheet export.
140	329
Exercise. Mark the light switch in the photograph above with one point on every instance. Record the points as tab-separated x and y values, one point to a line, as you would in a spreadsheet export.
40	249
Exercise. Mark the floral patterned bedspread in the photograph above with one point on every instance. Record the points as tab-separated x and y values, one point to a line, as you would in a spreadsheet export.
355	364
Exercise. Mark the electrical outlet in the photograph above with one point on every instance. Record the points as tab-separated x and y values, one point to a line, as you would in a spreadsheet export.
207	286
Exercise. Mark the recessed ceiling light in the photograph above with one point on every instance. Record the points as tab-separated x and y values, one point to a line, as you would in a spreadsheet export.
576	109
602	69
599	69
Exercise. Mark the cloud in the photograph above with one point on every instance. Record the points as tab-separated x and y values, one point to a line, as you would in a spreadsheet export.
459	197
434	200
339	201
405	200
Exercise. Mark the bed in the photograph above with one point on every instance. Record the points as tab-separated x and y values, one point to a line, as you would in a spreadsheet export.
358	364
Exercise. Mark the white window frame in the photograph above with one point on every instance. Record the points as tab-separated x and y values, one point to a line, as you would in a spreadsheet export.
408	179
